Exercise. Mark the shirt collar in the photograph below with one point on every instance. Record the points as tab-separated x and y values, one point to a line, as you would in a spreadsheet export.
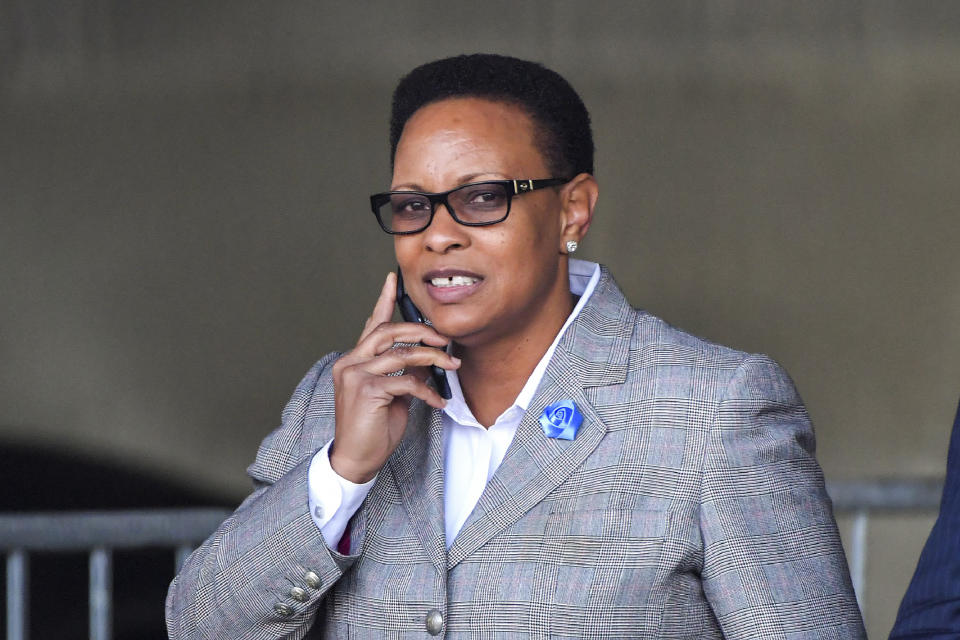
584	276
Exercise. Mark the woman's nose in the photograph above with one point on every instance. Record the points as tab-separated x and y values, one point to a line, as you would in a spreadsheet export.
445	233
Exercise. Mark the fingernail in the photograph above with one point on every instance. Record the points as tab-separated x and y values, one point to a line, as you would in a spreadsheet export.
456	360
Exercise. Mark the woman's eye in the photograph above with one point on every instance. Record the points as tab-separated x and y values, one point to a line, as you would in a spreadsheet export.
484	197
411	205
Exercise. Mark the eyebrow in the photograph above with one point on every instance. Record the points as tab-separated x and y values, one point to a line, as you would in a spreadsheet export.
462	180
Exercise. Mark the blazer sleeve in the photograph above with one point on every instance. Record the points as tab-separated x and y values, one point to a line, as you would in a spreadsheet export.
264	572
931	606
773	563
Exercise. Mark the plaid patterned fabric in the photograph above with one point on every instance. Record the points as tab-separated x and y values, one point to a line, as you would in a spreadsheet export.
689	505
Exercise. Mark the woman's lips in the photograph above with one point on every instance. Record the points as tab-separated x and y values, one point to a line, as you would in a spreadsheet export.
449	286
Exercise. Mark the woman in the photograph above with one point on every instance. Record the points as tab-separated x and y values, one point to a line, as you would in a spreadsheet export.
595	473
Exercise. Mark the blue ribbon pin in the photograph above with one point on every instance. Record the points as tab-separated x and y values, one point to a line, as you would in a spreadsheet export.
561	420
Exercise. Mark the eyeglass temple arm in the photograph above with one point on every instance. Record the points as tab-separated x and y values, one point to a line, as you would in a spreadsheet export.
523	186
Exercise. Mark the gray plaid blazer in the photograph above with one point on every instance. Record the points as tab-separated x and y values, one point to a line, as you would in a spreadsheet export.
689	505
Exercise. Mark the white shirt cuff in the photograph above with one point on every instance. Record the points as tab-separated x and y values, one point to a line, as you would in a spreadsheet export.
333	500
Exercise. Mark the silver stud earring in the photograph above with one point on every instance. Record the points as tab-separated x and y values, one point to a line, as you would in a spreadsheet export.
572	246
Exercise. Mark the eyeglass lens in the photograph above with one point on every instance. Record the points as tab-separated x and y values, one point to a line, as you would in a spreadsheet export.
480	203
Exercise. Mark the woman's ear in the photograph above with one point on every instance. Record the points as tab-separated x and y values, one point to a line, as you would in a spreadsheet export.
579	197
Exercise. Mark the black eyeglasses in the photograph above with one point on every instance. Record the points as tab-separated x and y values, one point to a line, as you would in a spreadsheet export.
476	204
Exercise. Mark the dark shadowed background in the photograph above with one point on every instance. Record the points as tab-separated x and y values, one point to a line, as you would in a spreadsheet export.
184	225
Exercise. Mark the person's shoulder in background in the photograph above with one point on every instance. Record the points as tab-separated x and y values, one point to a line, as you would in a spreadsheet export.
931	606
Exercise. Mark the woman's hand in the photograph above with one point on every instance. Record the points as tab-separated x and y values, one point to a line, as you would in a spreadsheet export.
371	406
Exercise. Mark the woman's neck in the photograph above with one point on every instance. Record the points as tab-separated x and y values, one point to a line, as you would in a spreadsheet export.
492	375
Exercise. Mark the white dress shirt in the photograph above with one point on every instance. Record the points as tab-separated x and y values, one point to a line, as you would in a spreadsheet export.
471	453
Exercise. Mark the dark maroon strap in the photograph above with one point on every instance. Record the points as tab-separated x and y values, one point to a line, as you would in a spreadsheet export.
343	547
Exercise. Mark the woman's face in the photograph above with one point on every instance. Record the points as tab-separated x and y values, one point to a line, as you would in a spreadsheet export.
510	281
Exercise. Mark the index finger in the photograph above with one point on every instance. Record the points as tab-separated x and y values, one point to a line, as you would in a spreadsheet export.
383	309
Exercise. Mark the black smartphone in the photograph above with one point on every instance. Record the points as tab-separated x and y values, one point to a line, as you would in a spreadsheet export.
410	313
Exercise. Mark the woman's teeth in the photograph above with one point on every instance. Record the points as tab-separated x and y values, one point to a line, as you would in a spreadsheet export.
453	281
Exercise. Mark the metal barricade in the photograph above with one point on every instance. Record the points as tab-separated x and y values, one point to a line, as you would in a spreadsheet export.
860	498
99	533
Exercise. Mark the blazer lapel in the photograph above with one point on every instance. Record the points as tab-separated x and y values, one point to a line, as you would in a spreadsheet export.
417	467
594	352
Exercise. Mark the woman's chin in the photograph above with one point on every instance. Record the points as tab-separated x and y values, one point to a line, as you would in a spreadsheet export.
459	327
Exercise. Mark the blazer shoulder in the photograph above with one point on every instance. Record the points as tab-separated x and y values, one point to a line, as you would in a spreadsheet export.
653	335
678	354
307	424
609	313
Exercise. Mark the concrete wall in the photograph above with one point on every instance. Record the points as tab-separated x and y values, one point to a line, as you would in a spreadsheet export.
184	227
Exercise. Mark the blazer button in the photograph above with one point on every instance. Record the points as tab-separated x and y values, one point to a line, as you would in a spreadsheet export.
283	609
312	579
434	622
299	594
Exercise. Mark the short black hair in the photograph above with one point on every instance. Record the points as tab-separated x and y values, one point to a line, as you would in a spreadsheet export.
563	125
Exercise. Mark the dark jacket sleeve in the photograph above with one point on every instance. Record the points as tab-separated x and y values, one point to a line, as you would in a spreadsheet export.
931	606
264	572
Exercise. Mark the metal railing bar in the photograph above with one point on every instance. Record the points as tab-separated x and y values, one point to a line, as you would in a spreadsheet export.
886	494
181	554
80	531
858	556
101	594
18	579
